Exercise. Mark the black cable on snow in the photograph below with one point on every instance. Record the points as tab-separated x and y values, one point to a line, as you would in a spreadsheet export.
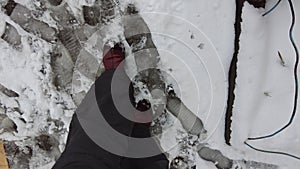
272	152
275	6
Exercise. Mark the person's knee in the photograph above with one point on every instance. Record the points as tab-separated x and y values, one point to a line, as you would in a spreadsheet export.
161	164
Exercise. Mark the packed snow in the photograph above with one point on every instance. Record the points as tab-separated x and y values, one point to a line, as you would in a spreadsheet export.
195	40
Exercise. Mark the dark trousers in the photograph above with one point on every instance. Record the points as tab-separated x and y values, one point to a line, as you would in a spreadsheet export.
81	152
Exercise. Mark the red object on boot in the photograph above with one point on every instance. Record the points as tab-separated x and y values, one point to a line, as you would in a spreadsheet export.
113	56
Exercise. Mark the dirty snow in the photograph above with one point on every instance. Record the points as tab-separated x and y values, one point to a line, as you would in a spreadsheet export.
195	40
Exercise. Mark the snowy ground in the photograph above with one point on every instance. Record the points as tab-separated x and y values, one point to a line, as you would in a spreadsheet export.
196	42
265	88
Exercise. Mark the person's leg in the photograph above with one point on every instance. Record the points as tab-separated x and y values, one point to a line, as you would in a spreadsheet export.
82	152
145	163
128	163
80	161
156	162
162	164
160	161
